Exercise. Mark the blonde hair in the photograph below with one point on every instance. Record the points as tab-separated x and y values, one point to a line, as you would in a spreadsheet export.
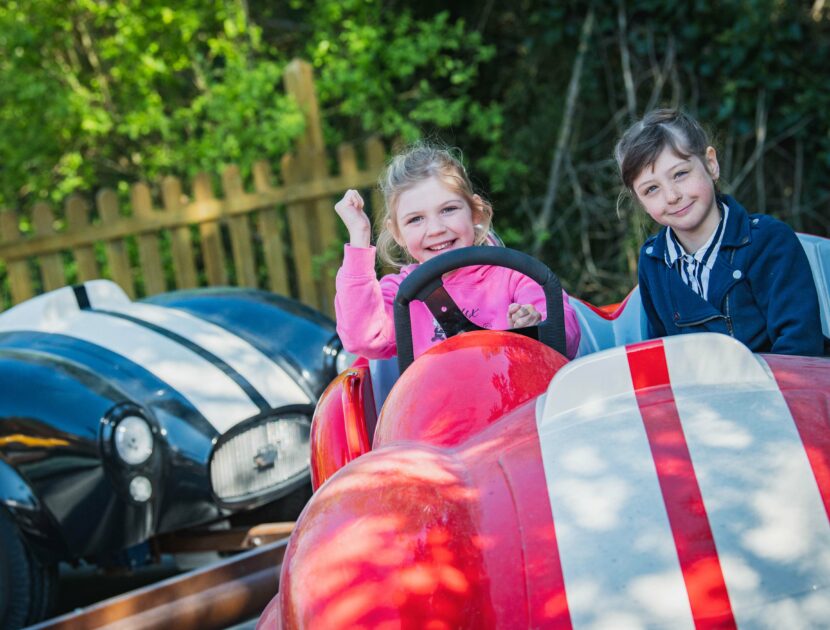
411	167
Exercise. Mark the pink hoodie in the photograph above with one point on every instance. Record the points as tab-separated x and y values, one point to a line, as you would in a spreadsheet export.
363	304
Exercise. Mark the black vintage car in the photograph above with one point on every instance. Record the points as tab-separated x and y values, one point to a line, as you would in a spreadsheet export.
123	420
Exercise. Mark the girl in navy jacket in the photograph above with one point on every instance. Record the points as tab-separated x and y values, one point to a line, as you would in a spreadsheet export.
713	267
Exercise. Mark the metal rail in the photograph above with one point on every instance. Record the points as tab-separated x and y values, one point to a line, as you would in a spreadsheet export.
213	597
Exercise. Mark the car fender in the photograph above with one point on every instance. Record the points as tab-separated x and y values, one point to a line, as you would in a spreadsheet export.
35	523
52	412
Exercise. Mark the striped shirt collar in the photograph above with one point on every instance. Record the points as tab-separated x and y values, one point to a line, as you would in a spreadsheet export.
707	253
695	268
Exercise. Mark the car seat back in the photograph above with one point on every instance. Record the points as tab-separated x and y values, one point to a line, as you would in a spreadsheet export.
601	330
384	373
818	253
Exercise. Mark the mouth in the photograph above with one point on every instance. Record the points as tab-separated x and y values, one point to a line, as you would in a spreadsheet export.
682	211
439	247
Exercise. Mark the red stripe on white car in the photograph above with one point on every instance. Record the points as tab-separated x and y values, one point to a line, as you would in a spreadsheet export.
689	483
696	549
797	379
615	543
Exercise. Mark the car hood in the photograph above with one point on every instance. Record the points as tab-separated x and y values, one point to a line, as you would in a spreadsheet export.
224	377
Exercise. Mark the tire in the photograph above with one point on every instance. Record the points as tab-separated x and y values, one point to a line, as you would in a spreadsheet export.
43	583
15	576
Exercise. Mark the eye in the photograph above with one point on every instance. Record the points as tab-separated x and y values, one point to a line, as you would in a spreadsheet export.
412	220
449	209
649	190
680	174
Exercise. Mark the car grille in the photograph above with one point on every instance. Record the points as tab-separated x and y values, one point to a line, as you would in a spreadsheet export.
261	458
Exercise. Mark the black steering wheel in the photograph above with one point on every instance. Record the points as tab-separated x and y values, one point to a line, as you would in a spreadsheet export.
426	285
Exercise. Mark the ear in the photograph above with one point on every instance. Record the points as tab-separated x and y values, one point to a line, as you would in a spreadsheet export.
712	163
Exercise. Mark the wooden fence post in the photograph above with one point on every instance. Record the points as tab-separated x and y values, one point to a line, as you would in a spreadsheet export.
375	161
299	82
210	232
148	243
181	244
240	229
51	265
116	250
270	231
77	218
20	279
300	230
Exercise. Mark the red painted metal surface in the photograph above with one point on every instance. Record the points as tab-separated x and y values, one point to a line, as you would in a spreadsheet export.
805	384
425	535
518	534
338	429
447	522
696	551
463	385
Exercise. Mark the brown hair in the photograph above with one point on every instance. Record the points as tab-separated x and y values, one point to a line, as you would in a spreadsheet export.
642	142
417	163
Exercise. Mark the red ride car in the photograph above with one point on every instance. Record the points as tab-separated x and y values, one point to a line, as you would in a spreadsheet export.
682	482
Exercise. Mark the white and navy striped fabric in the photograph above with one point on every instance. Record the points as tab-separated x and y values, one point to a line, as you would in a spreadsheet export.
695	268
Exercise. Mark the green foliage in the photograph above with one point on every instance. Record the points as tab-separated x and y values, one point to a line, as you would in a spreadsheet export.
92	93
382	70
98	92
744	67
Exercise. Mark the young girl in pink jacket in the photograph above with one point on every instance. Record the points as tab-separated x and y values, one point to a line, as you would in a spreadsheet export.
430	209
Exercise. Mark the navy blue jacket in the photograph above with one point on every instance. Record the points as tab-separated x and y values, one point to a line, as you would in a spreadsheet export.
761	288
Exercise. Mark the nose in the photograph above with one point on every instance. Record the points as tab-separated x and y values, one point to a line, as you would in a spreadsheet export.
672	194
435	226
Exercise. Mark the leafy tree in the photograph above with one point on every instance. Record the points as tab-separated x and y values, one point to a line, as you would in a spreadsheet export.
388	68
96	92
752	70
93	92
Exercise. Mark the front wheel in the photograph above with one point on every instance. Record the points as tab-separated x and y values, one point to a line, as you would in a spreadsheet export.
26	585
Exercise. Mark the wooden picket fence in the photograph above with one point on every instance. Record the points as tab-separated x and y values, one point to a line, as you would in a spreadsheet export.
235	239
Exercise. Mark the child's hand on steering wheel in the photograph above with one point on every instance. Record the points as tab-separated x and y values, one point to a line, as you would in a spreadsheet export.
523	315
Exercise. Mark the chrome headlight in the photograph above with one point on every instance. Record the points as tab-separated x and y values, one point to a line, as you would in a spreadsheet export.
263	456
133	439
141	489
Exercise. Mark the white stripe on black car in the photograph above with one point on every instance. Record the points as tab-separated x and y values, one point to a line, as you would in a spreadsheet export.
223	376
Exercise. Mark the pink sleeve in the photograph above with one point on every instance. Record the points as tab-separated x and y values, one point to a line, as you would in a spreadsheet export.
529	292
363	305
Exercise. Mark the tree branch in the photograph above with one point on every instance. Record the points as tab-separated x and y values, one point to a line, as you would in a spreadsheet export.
660	81
760	140
625	59
95	63
542	222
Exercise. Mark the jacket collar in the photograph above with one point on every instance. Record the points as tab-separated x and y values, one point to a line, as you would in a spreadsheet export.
736	230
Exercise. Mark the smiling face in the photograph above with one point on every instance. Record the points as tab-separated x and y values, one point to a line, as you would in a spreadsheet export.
431	218
679	192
